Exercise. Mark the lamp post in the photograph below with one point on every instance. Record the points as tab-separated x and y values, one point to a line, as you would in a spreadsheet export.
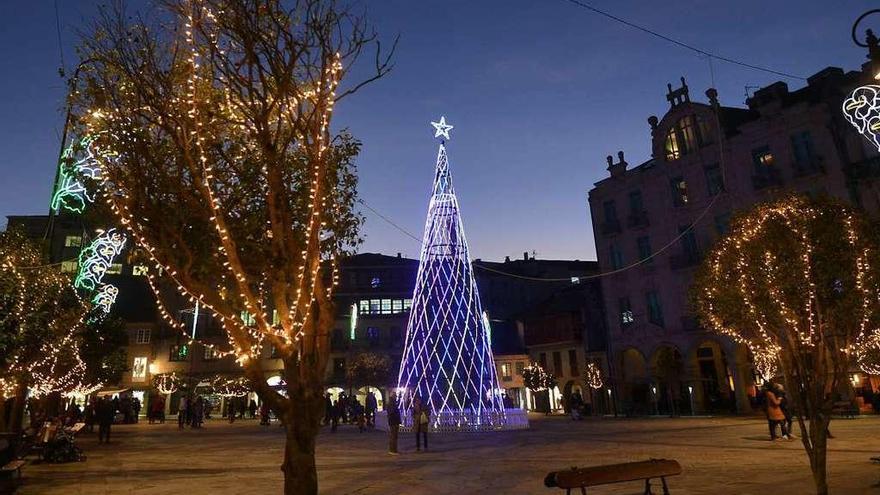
871	43
691	398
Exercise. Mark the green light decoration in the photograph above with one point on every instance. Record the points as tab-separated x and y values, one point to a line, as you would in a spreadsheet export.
94	260
71	193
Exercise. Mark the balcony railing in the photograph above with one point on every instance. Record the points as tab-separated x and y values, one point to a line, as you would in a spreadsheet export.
770	177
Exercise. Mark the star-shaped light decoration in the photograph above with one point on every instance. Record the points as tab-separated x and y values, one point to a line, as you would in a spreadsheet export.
441	129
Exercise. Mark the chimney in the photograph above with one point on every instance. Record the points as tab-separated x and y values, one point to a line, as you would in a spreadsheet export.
507	259
619	168
399	256
525	255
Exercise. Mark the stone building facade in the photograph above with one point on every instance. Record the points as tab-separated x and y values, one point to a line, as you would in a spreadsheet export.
654	222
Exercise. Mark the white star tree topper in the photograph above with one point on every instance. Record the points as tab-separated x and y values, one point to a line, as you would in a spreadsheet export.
441	129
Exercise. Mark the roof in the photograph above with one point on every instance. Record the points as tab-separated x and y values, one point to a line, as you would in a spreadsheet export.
376	259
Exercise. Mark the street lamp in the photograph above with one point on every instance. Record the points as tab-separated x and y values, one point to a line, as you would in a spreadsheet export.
871	43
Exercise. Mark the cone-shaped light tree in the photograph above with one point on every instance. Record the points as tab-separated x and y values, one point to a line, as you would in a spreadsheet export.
447	358
211	124
796	280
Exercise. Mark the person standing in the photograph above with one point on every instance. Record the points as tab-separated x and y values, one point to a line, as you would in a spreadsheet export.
181	412
783	405
328	408
264	413
774	413
106	413
252	409
421	416
137	409
371	406
393	424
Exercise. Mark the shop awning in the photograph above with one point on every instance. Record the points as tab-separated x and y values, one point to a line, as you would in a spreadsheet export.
111	391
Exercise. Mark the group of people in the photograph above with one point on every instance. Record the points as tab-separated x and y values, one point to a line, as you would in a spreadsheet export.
421	420
193	411
347	409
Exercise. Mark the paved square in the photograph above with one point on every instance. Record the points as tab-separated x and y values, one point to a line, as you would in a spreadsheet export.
718	455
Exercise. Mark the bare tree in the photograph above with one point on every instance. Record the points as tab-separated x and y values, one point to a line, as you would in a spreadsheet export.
212	129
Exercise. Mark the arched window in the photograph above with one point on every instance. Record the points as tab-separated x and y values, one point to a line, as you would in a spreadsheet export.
688	134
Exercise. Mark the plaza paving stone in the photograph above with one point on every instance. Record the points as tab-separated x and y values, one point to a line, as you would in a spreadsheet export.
718	455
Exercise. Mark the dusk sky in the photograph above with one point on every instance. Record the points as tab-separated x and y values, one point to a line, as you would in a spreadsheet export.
539	92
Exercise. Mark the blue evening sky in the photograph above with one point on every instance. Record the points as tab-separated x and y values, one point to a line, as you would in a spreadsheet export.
539	92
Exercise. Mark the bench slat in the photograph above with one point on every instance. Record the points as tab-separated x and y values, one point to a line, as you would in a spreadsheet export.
616	473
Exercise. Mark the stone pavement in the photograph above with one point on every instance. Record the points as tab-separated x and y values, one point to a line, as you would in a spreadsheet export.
719	456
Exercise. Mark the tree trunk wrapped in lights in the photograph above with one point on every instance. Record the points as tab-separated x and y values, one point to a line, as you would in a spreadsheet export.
796	280
212	133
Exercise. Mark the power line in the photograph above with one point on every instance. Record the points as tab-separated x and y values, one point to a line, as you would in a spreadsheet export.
682	44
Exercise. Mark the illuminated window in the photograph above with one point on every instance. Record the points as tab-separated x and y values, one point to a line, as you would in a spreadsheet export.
386	306
73	241
364	307
375	306
626	314
672	150
506	372
139	270
139	369
211	353
762	159
69	266
383	306
178	352
407	303
114	269
679	191
276	320
397	306
688	134
143	336
247	318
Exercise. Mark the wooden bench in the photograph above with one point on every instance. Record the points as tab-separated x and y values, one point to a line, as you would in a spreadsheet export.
614	473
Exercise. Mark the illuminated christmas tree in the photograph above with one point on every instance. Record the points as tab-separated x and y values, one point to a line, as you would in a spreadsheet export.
447	358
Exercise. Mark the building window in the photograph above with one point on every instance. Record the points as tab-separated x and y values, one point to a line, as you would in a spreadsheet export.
655	310
573	363
714	179
114	269
722	223
636	206
520	366
616	257
672	149
762	159
73	241
644	247
557	363
211	353
688	130
247	318
626	313
178	352
610	212
339	366
383	306
688	243
139	270
679	191
804	158
143	336
69	266
505	372
139	369
704	132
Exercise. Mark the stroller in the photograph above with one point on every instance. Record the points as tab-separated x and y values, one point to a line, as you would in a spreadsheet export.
62	449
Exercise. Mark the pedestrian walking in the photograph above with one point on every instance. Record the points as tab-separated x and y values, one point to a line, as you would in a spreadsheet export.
421	416
370	409
106	412
783	405
393	424
328	408
136	405
252	409
335	413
